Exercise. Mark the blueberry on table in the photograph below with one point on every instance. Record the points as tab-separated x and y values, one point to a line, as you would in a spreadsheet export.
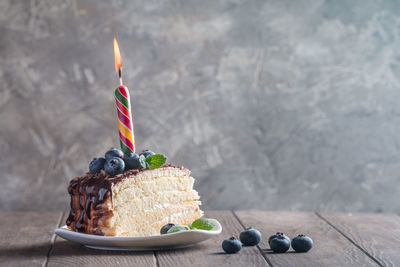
279	244
147	153
166	227
302	243
250	237
114	152
96	165
114	166
131	161
231	245
278	234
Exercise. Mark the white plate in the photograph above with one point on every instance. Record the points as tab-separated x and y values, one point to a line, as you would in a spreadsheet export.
156	242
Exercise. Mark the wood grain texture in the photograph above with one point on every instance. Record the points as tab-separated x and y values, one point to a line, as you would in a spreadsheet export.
66	253
210	253
330	247
25	237
377	234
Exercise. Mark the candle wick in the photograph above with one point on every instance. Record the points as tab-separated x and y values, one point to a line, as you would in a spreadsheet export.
120	76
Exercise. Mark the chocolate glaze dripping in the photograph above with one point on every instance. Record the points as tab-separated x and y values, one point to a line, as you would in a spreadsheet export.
88	195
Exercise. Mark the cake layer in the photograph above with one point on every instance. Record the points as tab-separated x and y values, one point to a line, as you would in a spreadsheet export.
151	201
142	207
128	222
138	188
154	228
135	203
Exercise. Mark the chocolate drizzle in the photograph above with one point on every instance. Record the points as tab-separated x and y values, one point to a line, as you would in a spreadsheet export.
88	199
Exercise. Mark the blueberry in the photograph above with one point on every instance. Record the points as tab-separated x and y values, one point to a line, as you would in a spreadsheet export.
114	166
250	237
114	152
96	165
302	243
147	153
166	227
279	244
131	161
231	245
277	234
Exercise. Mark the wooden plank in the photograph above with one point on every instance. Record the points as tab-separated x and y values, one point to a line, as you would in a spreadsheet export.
330	247
210	253
25	237
66	253
376	234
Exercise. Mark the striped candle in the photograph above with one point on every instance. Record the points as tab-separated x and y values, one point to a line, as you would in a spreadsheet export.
125	124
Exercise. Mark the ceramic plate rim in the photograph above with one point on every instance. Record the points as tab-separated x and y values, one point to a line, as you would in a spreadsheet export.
63	229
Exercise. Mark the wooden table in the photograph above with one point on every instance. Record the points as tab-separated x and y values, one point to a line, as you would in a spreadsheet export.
340	239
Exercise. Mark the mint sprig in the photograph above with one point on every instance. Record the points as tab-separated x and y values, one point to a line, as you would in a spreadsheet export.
142	161
176	228
203	224
156	161
152	161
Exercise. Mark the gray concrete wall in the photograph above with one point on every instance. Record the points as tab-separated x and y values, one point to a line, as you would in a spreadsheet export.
271	104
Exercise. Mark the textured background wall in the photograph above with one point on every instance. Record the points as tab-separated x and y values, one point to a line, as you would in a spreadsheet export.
271	104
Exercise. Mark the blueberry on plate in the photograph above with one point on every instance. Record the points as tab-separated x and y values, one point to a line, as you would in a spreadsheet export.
147	153
114	166
131	161
278	234
96	165
231	245
250	237
302	243
166	227
279	244
114	152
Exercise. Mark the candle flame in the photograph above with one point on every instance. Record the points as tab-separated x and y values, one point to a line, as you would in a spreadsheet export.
118	59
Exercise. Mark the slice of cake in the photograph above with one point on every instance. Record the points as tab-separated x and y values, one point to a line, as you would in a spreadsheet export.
137	202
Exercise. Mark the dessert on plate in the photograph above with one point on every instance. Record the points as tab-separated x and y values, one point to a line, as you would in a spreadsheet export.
126	194
114	199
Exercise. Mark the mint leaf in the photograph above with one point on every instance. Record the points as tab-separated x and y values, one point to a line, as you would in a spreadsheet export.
203	224
155	161
142	161
191	227
176	228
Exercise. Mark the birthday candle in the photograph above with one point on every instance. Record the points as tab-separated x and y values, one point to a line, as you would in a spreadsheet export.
122	99
125	125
